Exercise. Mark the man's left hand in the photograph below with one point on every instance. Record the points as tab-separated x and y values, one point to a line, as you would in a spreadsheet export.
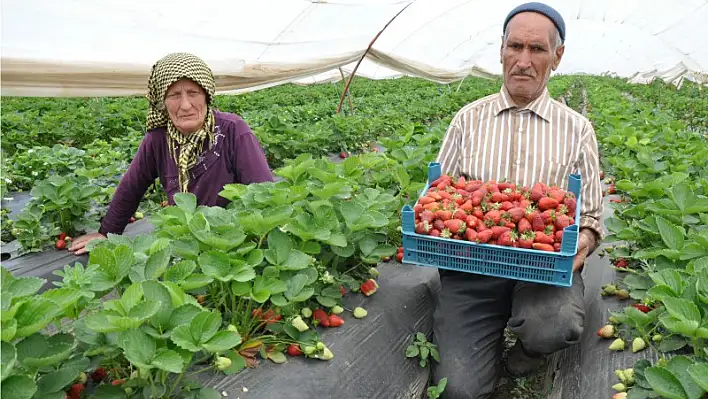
586	242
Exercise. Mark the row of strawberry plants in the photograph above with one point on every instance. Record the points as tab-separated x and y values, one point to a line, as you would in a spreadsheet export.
211	288
659	225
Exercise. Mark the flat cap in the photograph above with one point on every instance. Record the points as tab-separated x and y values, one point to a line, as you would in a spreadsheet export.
540	8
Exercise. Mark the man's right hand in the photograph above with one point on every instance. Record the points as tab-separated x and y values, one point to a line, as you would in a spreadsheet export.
78	246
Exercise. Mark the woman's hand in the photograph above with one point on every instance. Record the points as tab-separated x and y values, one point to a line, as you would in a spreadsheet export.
78	246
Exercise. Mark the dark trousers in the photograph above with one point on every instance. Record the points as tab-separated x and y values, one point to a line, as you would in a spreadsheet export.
472	312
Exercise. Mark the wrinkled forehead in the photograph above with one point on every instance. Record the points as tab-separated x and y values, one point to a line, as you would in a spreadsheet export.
184	85
530	26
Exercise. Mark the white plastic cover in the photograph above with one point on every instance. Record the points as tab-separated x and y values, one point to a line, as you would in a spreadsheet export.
101	47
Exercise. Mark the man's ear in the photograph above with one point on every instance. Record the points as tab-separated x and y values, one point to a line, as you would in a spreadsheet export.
558	56
501	51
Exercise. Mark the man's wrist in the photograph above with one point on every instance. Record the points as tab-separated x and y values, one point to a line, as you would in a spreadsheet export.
592	236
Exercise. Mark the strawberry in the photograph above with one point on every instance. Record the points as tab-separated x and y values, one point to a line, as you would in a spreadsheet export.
61	244
537	223
445	233
423	228
62	236
368	287
478	213
459	214
557	246
471	234
427	216
507	238
524	226
617	345
546	203
399	257
418	209
294	350
467	206
641	307
570	203
75	391
562	209
562	221
344	290
506	205
556	193
335	320
360	312
320	317
455	226
526	240
98	375
530	213
510	225
493	217
118	382
607	331
538	191
443	215
524	204
497	231
484	236
440	179
471	221
611	189
516	214
435	233
461	183
542	247
543	238
549	216
558	236
497	197
507	186
425	200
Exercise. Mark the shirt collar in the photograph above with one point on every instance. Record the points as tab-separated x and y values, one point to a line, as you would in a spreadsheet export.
540	106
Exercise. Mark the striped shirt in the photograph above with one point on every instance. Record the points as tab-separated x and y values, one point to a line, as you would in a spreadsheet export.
493	139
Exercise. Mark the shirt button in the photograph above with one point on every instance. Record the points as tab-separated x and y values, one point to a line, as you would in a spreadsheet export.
518	162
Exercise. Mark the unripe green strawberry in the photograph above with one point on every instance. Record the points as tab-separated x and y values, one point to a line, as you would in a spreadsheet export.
620	375
360	312
82	378
638	344
609	289
326	354
232	328
657	338
622	294
619	387
306	312
629	377
613	320
617	345
337	309
374	272
320	345
222	363
308	350
300	324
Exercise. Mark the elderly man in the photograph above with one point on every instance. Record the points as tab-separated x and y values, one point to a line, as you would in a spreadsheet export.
523	135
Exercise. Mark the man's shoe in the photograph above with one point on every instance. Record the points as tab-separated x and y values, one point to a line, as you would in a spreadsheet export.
519	364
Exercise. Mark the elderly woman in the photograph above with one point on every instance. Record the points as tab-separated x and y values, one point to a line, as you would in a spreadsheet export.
189	146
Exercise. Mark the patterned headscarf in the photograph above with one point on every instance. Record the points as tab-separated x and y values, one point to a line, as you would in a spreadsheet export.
184	149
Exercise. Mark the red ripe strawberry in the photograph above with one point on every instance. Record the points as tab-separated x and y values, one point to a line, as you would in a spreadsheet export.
611	189
461	183
445	195
368	287
459	214
440	179
438	224
497	197
478	213
335	321
562	221
471	221
61	244
506	205
443	215
543	238
75	391
435	233
481	227
427	216
549	216
445	233
484	236
524	226
550	230
530	213
321	317
570	203
492	187
524	204
426	199
537	224
562	209
547	203
497	231
418	209
516	214
459	199
526	240
118	382
478	196
62	236
538	191
467	206
294	350
543	247
399	257
455	225
471	234
556	193
344	290
558	236
510	225
98	375
642	307
423	228
493	216
473	185
557	246
507	186
507	238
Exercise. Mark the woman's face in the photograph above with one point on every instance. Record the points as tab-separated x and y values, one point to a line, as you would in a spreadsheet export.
186	105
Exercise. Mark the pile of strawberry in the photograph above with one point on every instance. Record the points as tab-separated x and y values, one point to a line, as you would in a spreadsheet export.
497	213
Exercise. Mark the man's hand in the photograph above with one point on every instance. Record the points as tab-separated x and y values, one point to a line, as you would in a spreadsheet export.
78	246
586	242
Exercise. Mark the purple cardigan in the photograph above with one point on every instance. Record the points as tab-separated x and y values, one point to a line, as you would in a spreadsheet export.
236	156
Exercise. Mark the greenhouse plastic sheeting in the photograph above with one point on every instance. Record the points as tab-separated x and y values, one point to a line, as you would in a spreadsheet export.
369	354
96	48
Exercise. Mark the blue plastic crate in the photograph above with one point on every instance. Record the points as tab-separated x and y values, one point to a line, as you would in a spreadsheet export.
553	268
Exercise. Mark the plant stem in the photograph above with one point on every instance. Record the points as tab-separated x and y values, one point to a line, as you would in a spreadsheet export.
201	371
176	383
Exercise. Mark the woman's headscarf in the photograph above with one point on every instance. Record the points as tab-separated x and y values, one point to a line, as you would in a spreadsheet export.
165	72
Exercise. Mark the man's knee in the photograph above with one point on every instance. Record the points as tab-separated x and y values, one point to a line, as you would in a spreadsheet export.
545	335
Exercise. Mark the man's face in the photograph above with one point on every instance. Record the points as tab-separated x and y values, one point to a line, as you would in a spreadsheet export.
186	105
528	56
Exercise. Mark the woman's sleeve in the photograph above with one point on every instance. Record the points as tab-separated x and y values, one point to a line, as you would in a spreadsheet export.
141	173
250	162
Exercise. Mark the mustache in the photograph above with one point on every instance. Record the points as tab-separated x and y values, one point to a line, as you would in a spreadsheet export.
523	73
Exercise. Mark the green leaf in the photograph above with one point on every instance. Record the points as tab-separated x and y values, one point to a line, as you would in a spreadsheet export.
139	348
412	351
56	381
157	264
23	286
326	301
683	309
201	329
8	356
187	202
194	281
38	351
682	195
33	315
183	315
672	343
222	341
18	387
106	391
295	285
670	278
216	264
277	357
131	297
168	360
672	235
665	383
239	288
279	300
155	291
238	363
678	366
404	180
699	373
